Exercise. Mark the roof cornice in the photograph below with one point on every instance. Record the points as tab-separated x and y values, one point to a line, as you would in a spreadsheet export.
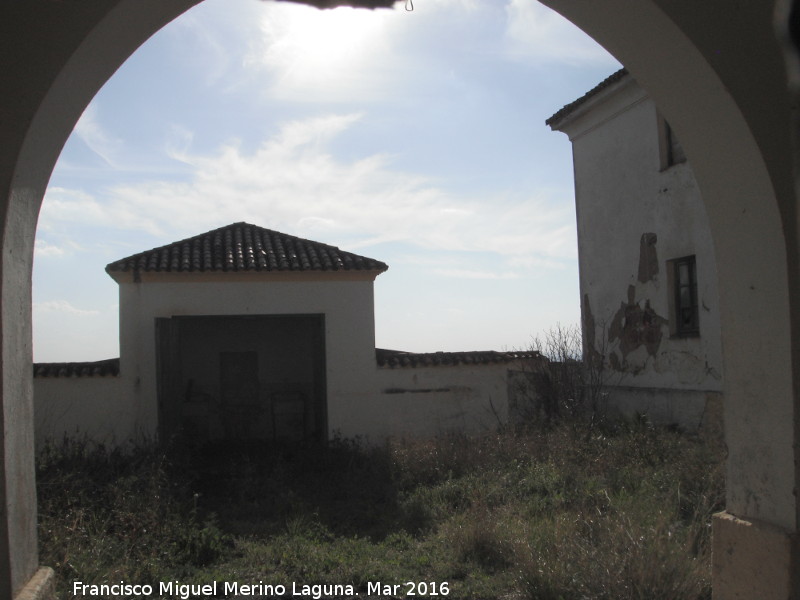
559	118
243	248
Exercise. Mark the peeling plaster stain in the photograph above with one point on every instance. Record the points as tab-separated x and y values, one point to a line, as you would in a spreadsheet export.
688	367
648	258
635	327
590	331
588	322
712	372
632	343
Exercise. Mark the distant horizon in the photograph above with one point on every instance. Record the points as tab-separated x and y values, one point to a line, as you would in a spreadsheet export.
414	138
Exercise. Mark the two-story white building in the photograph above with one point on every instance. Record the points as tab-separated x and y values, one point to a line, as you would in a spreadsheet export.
648	283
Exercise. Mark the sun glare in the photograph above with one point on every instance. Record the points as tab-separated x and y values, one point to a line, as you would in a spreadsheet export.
321	40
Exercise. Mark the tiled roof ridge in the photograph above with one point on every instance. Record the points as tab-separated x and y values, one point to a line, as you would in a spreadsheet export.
97	368
243	246
399	358
569	108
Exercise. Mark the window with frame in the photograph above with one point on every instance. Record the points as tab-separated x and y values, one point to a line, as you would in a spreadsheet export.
686	314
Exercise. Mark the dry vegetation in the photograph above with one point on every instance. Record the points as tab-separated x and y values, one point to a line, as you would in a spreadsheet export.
557	512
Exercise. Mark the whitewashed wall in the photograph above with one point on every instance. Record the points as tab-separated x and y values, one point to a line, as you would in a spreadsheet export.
362	399
346	302
429	400
416	401
93	407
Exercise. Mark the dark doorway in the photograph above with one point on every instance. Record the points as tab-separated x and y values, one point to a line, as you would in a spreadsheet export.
239	392
242	377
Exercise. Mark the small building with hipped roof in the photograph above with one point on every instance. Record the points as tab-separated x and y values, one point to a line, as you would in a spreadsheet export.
247	333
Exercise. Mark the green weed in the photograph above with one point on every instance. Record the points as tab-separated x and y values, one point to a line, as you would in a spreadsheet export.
559	513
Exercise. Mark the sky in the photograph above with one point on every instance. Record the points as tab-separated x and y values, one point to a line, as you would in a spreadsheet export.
413	137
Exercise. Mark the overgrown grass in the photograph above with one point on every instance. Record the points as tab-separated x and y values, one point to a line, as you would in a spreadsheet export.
107	515
558	514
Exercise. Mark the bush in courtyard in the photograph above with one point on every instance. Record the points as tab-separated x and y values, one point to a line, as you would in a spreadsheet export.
570	385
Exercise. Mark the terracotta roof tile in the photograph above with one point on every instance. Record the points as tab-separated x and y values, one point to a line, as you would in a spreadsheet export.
245	247
99	368
569	108
397	359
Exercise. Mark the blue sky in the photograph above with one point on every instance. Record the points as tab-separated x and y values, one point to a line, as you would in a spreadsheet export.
416	138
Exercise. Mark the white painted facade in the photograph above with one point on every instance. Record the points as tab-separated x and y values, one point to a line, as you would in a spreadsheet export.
636	213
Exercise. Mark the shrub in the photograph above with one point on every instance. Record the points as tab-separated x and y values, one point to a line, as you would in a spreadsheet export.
569	386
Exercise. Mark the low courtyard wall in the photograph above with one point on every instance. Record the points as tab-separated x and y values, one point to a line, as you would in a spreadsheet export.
414	395
81	400
425	394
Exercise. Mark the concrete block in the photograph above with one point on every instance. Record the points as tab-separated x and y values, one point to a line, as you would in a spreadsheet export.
752	559
40	587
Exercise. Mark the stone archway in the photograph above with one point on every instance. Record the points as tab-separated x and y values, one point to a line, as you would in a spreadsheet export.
729	103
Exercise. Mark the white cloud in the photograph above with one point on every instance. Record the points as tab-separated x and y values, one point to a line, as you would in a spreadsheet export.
311	134
63	206
210	40
474	274
537	34
531	262
178	142
62	306
293	183
43	248
208	55
467	6
89	130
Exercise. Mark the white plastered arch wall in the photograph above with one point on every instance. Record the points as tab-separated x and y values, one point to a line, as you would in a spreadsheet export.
716	71
690	58
51	69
